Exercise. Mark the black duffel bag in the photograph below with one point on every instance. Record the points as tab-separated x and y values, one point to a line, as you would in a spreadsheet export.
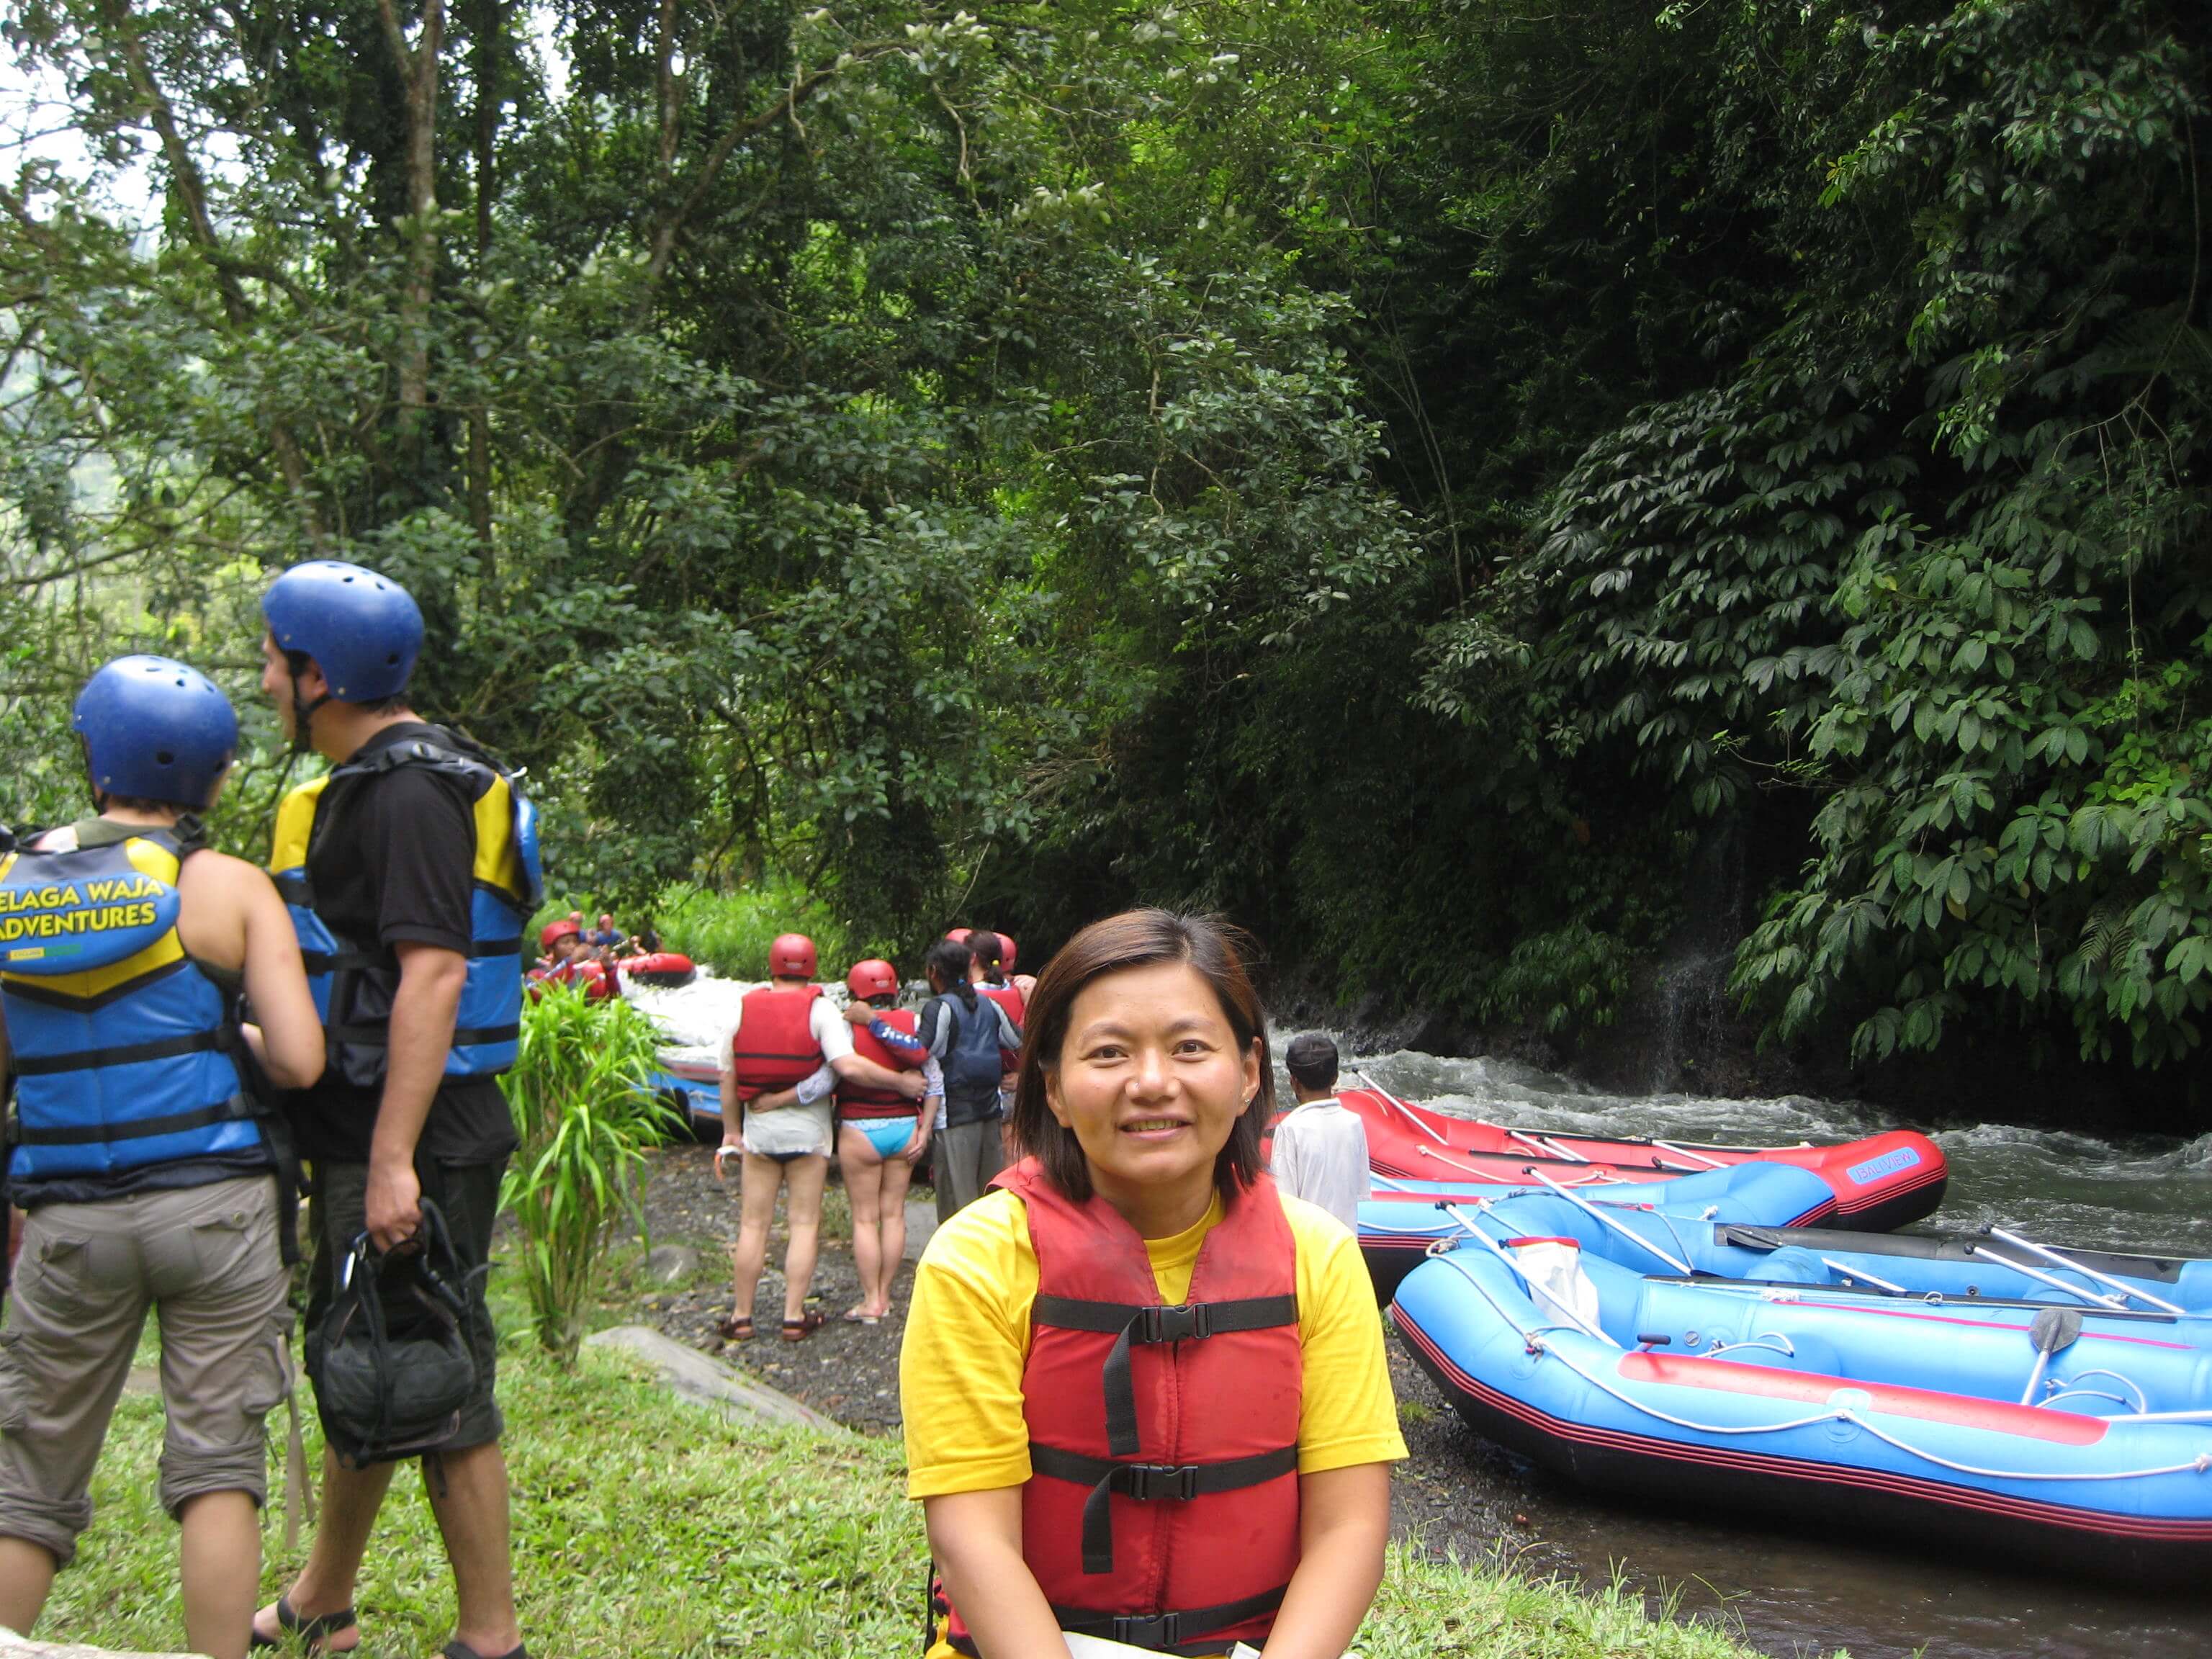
390	1361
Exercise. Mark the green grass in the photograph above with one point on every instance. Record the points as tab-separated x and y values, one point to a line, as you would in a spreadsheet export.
643	1525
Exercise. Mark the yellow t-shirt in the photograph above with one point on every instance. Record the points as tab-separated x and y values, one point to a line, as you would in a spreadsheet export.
968	1338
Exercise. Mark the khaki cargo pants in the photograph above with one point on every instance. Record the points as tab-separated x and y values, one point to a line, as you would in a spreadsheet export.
205	1259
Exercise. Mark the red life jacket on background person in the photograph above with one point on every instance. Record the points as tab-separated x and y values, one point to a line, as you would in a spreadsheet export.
775	1046
856	1101
1162	1509
1010	999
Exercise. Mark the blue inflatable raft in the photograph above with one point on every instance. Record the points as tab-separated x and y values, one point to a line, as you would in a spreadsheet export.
1394	1233
2044	1407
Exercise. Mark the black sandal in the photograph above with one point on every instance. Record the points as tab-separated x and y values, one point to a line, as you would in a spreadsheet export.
457	1649
313	1634
799	1329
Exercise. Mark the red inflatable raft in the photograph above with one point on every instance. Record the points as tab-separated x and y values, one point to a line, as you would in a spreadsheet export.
659	968
1880	1182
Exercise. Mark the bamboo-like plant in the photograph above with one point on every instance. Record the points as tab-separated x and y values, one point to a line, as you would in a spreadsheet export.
585	1119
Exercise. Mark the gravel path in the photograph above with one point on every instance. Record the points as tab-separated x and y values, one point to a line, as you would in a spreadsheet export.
848	1372
1456	1493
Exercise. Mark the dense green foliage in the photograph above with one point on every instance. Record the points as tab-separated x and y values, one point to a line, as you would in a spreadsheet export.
1420	474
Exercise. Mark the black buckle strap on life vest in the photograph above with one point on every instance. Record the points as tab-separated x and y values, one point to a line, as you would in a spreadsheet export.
379	1036
1130	1324
1168	1633
145	1128
1149	1483
129	1054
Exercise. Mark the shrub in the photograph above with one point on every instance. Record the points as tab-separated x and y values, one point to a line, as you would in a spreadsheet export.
585	1119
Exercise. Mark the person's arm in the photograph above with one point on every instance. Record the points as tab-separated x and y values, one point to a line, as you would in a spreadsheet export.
933	1102
286	1036
975	1539
1009	1034
1283	1159
898	1042
858	1070
1344	1522
936	1027
421	1035
733	1123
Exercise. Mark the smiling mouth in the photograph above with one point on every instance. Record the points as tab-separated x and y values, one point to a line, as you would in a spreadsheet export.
1149	1126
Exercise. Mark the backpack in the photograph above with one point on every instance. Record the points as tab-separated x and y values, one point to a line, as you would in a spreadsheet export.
971	1060
390	1361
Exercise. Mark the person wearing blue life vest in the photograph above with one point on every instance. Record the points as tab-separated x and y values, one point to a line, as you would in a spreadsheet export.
151	1172
409	869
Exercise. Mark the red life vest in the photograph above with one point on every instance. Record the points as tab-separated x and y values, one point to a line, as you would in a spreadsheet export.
774	1045
1010	999
854	1101
1163	1506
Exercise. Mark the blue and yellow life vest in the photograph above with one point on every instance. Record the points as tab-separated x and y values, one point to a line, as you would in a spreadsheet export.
123	1045
354	981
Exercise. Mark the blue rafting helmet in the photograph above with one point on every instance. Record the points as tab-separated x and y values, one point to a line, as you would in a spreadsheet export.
362	629
155	729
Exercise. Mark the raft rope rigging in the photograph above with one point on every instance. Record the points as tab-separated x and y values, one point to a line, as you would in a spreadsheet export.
1534	1337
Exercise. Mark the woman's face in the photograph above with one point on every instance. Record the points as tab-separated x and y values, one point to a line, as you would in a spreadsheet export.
1150	1077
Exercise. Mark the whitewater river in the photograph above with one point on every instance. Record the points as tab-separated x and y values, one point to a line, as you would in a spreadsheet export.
1792	1593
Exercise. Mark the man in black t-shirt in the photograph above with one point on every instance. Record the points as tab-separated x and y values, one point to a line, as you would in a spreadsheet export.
388	854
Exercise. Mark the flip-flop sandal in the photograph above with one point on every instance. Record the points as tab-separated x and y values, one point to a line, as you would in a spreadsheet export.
735	1330
797	1330
855	1316
313	1634
457	1649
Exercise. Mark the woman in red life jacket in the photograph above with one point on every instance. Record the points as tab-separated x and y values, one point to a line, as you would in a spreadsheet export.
881	1134
788	1050
1144	1394
987	972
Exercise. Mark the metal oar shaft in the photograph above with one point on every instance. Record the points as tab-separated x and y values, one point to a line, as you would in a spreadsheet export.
1605	1220
1504	1255
2110	1303
1389	1099
1862	1274
2072	1265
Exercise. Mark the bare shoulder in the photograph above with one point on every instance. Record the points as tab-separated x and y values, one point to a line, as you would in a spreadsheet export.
220	874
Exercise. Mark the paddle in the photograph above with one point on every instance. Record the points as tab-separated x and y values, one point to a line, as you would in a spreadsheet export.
2054	1328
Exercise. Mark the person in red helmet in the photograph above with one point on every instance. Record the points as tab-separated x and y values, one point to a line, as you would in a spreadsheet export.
788	1050
1025	984
880	1134
568	962
560	941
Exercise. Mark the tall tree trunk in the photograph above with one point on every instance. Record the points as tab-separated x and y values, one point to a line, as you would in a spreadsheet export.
490	29
418	70
190	186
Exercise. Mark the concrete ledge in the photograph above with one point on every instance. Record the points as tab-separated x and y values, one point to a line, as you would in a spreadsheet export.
705	1381
13	1646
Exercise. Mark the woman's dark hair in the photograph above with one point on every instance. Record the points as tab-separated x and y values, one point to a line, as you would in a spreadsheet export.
1139	939
984	945
948	961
